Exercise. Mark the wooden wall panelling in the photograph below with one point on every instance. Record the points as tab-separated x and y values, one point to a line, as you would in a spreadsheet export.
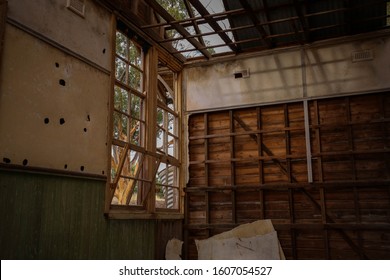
255	167
290	179
317	144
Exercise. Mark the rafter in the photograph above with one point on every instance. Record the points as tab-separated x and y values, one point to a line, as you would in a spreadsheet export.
302	20
256	23
213	23
171	20
194	23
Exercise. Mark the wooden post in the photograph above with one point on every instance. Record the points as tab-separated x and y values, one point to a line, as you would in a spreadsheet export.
151	120
232	168
206	172
260	162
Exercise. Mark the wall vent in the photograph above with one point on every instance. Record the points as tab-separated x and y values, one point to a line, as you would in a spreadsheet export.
241	74
362	55
76	6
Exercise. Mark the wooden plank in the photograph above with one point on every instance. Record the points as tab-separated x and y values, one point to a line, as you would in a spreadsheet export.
332	205
260	162
232	168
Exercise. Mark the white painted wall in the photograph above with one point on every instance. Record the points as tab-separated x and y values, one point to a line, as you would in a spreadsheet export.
288	75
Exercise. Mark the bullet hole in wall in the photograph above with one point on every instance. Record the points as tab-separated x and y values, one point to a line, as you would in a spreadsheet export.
46	120
6	160
85	129
62	121
62	82
82	168
57	64
103	172
65	166
104	50
25	162
88	118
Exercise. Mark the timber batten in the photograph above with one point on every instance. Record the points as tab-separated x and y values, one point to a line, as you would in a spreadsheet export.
250	164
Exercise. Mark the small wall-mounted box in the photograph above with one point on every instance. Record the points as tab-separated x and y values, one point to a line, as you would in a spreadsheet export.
241	74
76	6
364	55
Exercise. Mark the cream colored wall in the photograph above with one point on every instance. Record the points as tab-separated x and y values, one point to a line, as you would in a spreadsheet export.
30	92
330	70
308	72
271	78
88	36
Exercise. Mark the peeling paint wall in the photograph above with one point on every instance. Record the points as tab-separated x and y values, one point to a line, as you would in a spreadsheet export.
88	36
289	75
53	107
55	86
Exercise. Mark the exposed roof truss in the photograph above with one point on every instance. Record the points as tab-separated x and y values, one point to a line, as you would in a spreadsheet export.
204	29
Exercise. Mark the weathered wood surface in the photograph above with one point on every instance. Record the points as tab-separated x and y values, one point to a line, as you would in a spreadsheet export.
255	167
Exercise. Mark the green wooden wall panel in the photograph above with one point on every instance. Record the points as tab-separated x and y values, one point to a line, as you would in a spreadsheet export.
56	217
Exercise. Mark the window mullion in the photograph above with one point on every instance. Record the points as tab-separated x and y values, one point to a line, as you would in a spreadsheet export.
151	121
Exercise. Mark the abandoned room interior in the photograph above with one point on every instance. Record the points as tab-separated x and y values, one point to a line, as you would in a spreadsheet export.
125	125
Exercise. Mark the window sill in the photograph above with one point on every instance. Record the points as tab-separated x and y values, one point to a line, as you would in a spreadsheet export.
126	214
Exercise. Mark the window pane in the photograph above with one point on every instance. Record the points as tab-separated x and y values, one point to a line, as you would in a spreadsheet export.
120	126
125	192
171	124
116	153
171	146
121	45
132	164
160	117
135	55
121	99
135	79
161	175
135	132
167	197
160	141
120	70
136	107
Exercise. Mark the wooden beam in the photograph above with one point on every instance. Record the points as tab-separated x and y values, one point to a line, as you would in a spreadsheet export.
194	23
213	23
171	20
232	167
339	185
382	227
257	23
302	20
3	18
260	162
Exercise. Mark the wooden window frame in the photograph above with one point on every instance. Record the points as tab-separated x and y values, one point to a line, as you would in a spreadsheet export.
141	181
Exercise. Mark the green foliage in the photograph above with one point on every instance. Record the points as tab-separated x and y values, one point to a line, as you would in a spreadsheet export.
178	10
175	8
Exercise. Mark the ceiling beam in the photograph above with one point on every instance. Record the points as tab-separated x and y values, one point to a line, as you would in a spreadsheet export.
194	23
125	13
256	23
170	19
302	20
213	23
